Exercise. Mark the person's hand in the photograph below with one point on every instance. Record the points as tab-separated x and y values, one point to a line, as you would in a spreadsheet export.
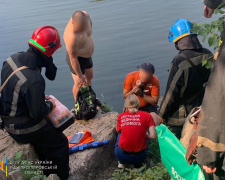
136	90
208	12
139	84
82	80
161	120
48	98
209	170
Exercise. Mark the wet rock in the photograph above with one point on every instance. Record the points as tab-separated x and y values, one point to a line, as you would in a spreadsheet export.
9	147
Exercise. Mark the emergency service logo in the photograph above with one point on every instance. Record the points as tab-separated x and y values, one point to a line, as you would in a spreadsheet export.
6	166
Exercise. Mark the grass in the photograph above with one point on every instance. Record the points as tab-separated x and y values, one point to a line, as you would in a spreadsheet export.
155	172
105	107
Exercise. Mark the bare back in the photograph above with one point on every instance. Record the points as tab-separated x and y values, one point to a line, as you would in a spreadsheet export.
79	43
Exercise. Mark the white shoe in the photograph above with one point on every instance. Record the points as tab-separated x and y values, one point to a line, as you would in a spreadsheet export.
121	166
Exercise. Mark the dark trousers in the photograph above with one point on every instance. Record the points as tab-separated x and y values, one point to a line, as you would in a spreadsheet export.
50	145
149	108
137	160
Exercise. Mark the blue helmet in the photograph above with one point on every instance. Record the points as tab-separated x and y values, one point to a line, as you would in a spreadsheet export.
180	29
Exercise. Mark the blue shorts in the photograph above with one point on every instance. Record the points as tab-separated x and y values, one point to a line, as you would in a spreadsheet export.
137	160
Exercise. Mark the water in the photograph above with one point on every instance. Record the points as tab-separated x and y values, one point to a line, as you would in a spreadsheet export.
126	34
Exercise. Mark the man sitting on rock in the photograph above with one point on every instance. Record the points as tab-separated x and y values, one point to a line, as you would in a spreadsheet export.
145	85
24	106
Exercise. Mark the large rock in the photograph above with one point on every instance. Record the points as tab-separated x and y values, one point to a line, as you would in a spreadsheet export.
9	147
83	165
14	175
88	164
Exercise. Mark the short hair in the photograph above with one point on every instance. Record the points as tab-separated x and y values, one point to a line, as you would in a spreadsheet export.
78	13
132	103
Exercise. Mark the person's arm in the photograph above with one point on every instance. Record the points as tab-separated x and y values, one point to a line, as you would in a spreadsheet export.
152	133
208	158
35	99
171	99
126	93
213	4
155	92
210	5
72	46
209	170
128	89
72	49
153	100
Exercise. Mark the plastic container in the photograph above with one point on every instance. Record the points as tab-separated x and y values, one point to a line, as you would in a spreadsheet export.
60	116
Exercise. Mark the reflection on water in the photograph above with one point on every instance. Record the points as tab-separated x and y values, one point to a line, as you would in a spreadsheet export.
126	33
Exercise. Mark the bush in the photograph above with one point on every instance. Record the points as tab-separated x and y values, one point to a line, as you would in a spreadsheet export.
211	31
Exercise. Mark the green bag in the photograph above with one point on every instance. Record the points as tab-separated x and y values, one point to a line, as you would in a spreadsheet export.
173	157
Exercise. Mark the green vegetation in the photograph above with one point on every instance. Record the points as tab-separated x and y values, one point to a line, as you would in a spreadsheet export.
211	31
155	172
26	166
105	107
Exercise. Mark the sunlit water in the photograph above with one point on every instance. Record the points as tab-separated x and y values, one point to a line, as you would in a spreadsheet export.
126	33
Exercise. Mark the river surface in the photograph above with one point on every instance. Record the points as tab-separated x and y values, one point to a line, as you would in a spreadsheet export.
126	33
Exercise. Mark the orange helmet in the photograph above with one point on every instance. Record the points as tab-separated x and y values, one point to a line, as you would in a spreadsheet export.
46	39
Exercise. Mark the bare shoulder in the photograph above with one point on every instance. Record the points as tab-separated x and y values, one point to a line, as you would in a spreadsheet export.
68	30
72	42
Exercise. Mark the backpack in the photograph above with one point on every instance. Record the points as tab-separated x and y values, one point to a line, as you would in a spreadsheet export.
86	106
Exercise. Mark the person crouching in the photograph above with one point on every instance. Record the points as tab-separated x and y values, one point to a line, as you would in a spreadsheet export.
134	127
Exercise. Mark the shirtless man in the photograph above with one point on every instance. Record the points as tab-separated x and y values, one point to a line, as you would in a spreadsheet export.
80	47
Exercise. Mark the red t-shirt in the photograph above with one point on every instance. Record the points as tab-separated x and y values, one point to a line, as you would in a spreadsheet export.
133	129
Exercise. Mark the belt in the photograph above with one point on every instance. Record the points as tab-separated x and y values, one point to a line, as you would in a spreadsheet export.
15	120
131	153
12	130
